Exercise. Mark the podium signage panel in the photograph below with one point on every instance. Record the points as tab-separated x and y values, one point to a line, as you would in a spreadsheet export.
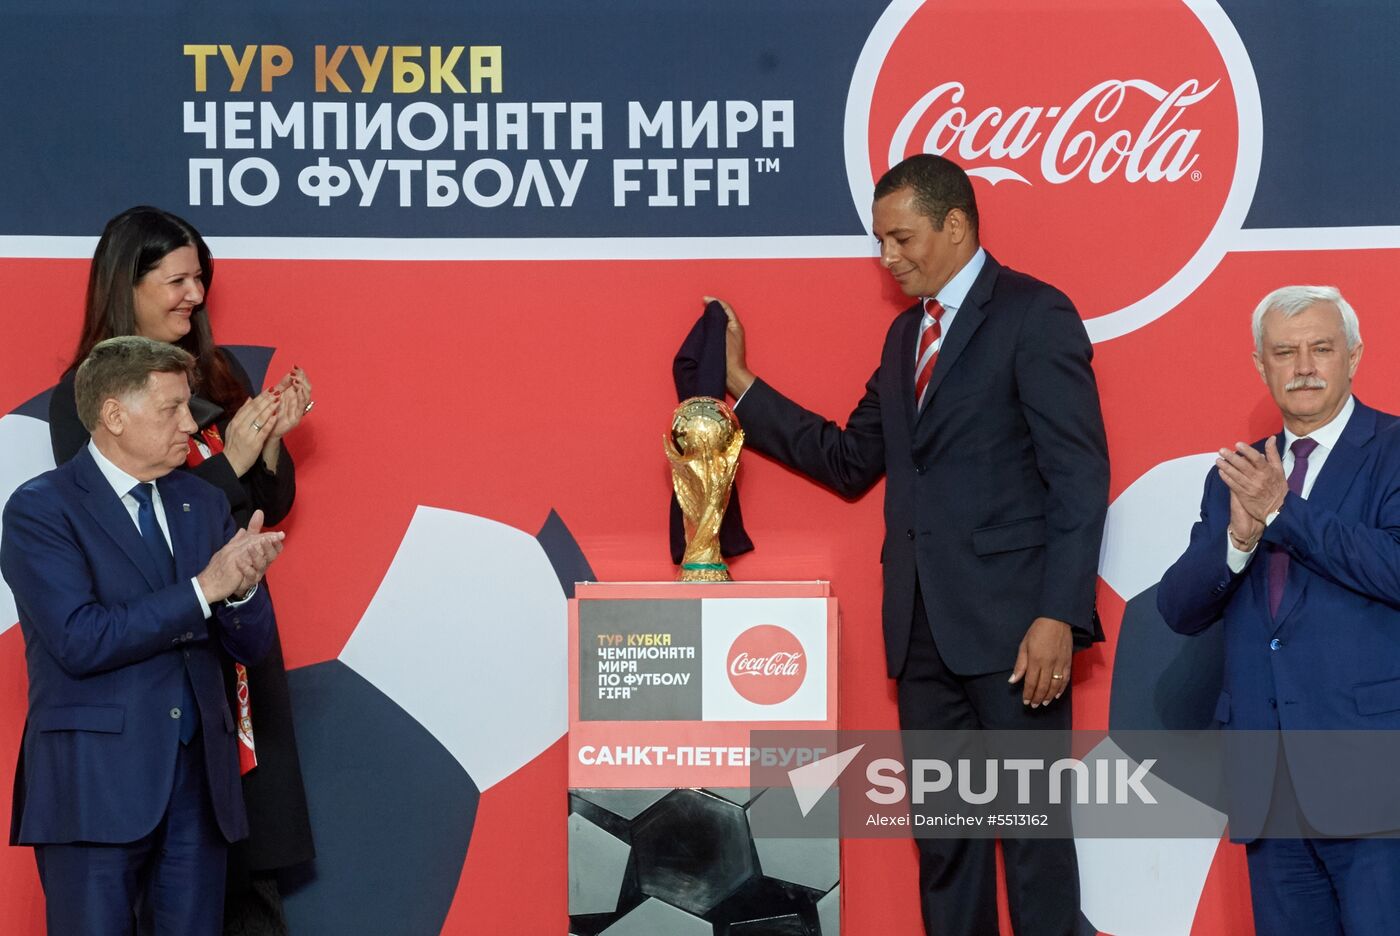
667	680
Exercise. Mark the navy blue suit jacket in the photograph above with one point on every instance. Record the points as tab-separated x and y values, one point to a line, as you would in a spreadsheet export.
108	647
1330	659
995	492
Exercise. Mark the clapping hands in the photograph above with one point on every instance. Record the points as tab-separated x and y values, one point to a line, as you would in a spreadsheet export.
242	562
261	422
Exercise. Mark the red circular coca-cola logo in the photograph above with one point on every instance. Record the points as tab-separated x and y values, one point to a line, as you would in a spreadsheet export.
1105	141
767	664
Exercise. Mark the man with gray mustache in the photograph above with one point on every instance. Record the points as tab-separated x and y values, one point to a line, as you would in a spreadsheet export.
1297	552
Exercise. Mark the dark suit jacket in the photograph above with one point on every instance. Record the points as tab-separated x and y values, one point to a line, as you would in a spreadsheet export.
279	833
108	648
995	492
1331	658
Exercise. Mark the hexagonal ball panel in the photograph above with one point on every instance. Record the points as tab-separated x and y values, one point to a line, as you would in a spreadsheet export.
654	918
597	863
629	804
814	863
692	850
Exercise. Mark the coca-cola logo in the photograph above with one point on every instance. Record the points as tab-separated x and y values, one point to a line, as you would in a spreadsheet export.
1115	160
1079	139
767	664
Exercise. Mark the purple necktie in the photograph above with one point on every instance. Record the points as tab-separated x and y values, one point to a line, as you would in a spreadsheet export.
1278	558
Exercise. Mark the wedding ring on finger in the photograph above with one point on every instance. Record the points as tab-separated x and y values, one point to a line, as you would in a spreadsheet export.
257	427
1056	676
308	407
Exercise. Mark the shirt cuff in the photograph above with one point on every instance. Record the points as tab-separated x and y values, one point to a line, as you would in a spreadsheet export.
199	593
235	602
1237	559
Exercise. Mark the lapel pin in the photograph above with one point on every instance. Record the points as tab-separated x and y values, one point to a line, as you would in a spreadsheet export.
186	507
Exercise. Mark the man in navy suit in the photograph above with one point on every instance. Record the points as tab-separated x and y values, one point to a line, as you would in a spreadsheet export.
124	572
983	417
1297	552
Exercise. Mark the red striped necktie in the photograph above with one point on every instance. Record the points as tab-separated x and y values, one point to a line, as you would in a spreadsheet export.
928	348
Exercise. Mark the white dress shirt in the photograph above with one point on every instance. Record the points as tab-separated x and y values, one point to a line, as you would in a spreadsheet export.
1326	439
951	297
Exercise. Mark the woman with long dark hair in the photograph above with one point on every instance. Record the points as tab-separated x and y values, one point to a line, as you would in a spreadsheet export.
150	276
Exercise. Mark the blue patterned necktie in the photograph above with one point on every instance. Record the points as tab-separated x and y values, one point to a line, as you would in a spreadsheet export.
150	531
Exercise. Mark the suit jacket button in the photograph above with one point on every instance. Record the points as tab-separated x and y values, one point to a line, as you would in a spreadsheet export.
1273	703
1274	644
909	534
919	469
189	635
175	712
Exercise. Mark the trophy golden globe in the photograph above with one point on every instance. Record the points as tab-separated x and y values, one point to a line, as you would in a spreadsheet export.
703	448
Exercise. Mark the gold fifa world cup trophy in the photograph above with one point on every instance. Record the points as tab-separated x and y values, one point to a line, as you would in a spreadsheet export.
703	448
